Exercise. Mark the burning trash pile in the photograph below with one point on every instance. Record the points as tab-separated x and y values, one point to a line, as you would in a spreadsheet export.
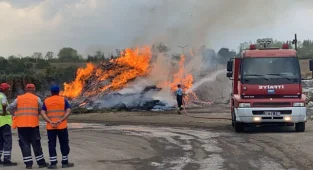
123	84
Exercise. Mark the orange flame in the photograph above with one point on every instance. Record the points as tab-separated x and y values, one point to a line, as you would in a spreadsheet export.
185	80
179	78
131	64
115	75
74	89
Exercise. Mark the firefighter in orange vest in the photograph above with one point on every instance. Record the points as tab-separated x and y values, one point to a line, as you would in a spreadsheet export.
55	111
26	118
5	128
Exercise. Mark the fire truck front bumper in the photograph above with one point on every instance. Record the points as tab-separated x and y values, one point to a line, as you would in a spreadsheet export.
271	115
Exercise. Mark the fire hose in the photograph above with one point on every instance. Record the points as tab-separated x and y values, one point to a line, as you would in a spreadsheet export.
218	118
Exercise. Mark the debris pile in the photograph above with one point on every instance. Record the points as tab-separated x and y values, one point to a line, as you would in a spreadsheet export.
98	87
94	80
307	89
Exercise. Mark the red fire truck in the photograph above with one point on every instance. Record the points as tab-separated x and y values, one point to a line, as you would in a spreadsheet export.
266	88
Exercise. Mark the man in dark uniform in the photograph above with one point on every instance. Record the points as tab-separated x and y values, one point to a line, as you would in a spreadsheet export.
55	110
179	97
26	109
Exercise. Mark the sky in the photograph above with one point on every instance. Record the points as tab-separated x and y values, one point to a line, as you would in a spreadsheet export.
28	26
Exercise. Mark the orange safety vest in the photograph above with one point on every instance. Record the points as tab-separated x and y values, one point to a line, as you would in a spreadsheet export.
55	111
26	114
13	122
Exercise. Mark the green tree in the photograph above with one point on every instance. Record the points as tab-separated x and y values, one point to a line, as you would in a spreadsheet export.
224	54
37	55
161	48
69	54
305	49
49	55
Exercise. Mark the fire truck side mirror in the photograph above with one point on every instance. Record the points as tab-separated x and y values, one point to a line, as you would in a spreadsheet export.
230	66
311	65
229	74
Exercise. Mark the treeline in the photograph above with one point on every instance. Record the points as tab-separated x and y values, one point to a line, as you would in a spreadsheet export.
50	68
42	70
45	70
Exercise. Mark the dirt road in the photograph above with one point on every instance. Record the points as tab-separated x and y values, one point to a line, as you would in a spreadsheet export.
191	144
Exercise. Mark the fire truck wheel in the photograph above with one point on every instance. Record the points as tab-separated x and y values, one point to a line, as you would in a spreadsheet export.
300	127
239	127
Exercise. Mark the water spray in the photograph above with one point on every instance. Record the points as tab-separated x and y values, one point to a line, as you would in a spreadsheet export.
211	77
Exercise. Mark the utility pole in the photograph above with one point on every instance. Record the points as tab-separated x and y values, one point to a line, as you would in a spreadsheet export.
183	47
295	42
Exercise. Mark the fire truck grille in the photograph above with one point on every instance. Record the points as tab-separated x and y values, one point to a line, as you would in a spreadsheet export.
271	104
282	112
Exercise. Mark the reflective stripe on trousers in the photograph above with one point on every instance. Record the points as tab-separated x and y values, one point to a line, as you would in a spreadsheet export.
38	158
6	153
53	159
27	159
64	158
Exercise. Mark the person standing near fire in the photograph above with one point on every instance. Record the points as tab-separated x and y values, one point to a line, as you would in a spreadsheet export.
55	111
26	109
179	97
5	128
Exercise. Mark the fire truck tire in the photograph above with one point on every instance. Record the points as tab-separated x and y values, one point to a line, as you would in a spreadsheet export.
300	127
239	127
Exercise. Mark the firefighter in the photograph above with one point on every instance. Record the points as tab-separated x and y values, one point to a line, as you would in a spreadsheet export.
179	97
5	128
55	111
26	118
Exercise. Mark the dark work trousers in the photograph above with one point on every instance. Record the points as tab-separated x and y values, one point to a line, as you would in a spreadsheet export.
28	137
5	142
62	134
179	99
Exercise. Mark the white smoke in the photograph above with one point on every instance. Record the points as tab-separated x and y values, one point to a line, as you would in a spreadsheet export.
90	25
136	86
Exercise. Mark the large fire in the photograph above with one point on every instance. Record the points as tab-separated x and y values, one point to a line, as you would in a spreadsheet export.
115	75
75	88
179	78
131	64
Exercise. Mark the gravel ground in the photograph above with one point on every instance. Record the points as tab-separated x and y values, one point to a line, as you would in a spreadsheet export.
153	140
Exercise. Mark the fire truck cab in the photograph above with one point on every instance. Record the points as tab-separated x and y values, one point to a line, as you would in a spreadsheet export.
266	88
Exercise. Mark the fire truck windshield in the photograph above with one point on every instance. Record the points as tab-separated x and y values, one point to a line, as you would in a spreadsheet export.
270	70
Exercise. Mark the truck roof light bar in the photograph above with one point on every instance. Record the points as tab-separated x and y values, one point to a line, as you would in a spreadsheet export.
252	47
285	46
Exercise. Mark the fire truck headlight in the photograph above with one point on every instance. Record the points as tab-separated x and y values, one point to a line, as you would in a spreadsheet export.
287	118
244	105
298	104
257	119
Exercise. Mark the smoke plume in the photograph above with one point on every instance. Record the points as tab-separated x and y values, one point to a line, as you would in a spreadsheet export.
194	23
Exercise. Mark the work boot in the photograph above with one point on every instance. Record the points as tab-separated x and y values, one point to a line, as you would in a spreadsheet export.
52	167
68	165
44	165
9	163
